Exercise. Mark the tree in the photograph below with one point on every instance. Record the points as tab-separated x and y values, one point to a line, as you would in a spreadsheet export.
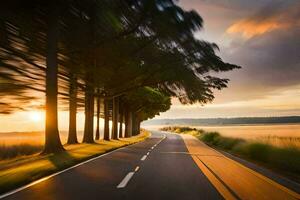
97	137
26	44
72	136
115	118
52	140
145	103
106	120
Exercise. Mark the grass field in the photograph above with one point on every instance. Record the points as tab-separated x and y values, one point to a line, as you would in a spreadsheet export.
17	150
16	144
286	159
24	169
280	135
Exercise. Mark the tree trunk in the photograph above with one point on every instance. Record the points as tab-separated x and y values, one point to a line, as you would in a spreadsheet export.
106	119
52	140
133	124
115	118
89	114
128	123
126	133
98	119
121	116
72	137
138	127
136	123
92	108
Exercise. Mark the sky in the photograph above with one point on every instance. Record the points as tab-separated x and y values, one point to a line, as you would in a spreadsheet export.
263	36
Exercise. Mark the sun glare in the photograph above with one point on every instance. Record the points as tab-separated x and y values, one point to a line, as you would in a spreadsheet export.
35	116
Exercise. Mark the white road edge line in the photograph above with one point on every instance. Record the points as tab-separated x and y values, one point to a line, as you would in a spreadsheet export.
137	168
125	180
148	153
60	172
143	158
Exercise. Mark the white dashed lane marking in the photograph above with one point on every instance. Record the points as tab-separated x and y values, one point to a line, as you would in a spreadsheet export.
127	178
137	168
143	158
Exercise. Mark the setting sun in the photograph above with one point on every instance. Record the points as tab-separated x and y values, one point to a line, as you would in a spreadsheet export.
35	116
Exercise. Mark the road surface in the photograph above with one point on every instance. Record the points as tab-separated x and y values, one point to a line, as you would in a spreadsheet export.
165	166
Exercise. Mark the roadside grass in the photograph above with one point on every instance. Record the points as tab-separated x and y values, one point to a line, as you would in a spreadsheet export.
178	129
280	141
286	159
25	169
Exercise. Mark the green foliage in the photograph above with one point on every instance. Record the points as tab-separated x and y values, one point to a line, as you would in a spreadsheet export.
214	138
256	151
147	102
177	129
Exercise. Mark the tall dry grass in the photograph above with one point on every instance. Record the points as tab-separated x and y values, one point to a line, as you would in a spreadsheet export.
280	141
16	144
13	151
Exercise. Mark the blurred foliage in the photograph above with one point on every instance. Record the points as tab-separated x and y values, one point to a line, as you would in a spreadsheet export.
116	46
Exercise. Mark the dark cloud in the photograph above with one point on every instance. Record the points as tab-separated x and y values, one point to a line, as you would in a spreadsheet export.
234	5
270	55
271	58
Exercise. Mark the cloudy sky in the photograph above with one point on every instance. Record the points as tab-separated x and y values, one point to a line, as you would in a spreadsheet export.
262	36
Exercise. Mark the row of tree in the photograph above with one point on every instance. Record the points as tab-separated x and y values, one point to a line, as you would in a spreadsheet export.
128	57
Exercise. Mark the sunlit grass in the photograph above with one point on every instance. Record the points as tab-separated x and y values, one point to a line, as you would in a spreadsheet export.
22	170
280	141
18	138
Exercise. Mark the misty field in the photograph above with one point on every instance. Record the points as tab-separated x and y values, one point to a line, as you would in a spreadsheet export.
16	144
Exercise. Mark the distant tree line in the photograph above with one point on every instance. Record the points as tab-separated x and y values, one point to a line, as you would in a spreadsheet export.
121	60
226	121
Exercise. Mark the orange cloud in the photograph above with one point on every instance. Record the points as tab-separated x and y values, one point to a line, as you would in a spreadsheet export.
251	28
267	20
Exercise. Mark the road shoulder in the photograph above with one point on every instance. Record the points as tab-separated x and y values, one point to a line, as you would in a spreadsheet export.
231	177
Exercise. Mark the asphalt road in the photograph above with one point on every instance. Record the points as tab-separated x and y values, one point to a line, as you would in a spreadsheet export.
167	172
